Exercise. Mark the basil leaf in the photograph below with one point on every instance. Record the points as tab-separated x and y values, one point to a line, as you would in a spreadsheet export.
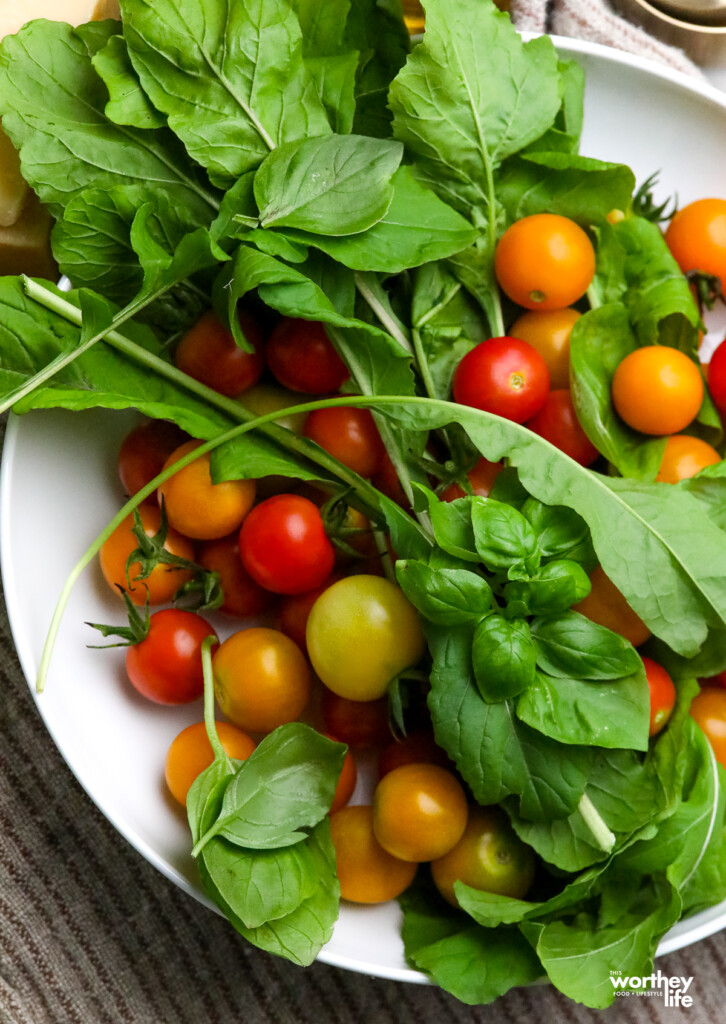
286	785
561	532
571	646
128	104
461	116
335	185
205	796
50	59
242	87
503	537
503	657
448	597
416	228
552	590
606	714
451	522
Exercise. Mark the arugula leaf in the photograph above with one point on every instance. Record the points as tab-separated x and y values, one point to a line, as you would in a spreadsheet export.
572	646
602	714
334	185
377	30
128	104
461	115
49	58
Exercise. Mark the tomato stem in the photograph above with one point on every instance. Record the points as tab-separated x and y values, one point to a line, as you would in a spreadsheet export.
220	754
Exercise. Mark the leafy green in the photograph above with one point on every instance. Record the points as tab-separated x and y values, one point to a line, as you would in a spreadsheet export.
376	29
503	658
571	645
128	104
448	597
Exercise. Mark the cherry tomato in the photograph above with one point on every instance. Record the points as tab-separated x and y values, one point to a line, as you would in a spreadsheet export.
482	478
144	451
164	580
264	398
549	331
696	237
199	508
505	376
662	695
283	545
387	481
715	373
302	358
544	262
718	680
348	434
557	423
191	752
489	856
209	353
657	390
355	722
685	456
242	596
166	666
417	747
294	611
607	606
709	711
366	872
347	781
361	633
419	812
261	679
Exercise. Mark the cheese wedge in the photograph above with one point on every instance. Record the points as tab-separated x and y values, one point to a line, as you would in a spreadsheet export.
15	13
13	189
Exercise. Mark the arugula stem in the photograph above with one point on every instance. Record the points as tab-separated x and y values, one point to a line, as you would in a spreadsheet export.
370	289
423	365
604	838
435	310
381	540
593	297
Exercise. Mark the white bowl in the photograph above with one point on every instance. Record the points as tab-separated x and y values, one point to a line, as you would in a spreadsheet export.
59	489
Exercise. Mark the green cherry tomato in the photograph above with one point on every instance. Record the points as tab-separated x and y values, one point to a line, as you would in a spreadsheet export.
361	633
489	856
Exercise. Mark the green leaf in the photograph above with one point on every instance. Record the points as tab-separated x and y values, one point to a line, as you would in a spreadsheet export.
599	342
504	539
416	228
79	147
377	30
230	78
577	187
561	532
451	522
335	77
552	590
129	104
448	597
461	115
205	796
496	754
709	487
601	714
572	646
503	657
286	785
335	185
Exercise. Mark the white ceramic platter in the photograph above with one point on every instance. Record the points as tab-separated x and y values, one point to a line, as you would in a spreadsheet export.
59	489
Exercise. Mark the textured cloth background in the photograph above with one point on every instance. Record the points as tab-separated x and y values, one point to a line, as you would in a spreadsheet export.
92	934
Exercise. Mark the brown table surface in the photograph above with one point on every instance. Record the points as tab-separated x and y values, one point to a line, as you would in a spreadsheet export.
90	933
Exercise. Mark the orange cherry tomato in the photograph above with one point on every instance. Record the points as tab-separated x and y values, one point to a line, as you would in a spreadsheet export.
482	477
557	423
191	752
164	580
709	711
144	451
209	353
348	434
685	456
662	695
489	856
607	606
548	331
367	873
242	596
696	236
544	262
199	508
358	723
657	390
417	747
347	780
419	812
261	679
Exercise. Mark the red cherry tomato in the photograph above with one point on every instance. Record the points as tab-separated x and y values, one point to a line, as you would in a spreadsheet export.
283	545
209	353
719	680
242	596
557	423
716	377
294	612
144	451
166	666
386	480
662	695
505	376
348	434
418	747
302	358
482	478
355	722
